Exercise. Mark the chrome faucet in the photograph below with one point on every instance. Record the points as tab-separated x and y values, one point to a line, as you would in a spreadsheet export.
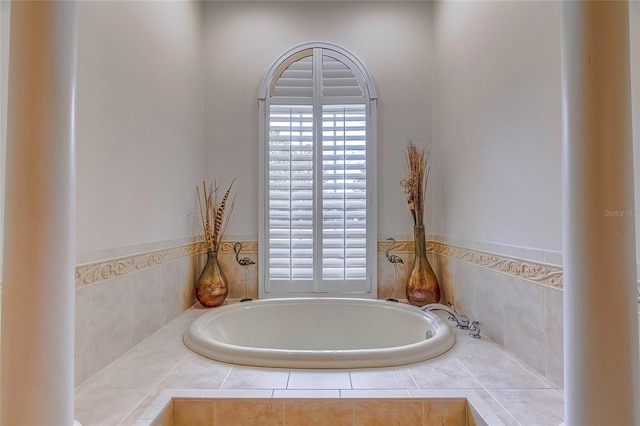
461	320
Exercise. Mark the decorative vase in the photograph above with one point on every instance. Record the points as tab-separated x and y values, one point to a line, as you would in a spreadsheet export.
212	287
422	285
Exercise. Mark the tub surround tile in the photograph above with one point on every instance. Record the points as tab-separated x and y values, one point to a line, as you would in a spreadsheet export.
311	413
443	373
238	393
374	393
110	323
195	371
532	407
498	411
484	364
319	380
140	409
464	292
445	412
192	412
524	322
136	372
493	367
306	393
399	412
554	336
489	288
256	378
249	413
146	318
99	407
382	379
444	273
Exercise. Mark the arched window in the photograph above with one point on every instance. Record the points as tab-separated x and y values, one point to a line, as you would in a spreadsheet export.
317	175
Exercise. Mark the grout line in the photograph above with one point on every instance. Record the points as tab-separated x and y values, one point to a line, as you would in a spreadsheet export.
413	379
225	378
137	405
503	407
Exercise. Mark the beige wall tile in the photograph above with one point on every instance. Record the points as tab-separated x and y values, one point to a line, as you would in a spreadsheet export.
110	322
311	413
145	288
192	412
524	321
445	412
445	278
489	287
465	299
387	412
82	334
554	336
248	412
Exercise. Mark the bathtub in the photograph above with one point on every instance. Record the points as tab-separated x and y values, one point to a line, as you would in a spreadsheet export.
319	333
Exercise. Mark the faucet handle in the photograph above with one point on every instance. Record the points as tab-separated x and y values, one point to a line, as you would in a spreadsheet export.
474	329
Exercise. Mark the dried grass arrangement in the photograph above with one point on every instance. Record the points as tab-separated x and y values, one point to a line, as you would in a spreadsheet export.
415	183
212	211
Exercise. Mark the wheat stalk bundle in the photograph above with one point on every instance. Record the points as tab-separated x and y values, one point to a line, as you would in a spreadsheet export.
212	213
415	182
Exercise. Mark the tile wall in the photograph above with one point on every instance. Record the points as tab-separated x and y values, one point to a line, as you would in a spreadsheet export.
487	282
523	316
114	315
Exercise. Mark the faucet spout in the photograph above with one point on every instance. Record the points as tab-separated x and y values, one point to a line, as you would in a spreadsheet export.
461	320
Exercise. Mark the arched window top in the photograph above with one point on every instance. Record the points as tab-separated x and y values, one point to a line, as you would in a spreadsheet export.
341	69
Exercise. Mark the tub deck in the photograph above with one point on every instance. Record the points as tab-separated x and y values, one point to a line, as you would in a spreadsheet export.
161	365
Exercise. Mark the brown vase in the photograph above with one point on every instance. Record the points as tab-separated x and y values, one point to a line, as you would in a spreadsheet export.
422	285
212	287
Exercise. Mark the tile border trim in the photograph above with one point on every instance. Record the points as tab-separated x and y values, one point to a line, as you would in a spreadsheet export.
536	272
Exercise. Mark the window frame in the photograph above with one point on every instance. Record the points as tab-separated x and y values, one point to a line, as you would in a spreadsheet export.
293	288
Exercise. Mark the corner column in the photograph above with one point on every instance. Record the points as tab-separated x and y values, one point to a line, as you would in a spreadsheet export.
600	294
38	294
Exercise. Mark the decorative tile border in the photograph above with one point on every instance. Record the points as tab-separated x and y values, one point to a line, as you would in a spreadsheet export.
536	272
92	273
539	273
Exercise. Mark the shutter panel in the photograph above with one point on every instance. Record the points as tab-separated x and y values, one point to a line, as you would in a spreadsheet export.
317	171
296	81
291	192
344	192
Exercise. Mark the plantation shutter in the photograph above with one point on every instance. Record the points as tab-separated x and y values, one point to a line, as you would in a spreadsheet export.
344	178
316	197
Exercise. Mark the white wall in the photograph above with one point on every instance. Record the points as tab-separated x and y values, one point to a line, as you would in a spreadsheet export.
243	39
497	122
139	124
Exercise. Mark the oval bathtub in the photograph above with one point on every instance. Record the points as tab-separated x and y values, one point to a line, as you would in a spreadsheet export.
319	333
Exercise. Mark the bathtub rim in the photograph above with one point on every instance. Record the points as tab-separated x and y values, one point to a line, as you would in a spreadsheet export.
441	342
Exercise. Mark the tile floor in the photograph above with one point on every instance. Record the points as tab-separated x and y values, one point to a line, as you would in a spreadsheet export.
121	392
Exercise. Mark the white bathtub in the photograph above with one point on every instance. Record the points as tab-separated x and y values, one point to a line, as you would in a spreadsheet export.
319	333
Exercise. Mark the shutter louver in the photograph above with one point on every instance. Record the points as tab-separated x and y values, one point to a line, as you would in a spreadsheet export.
291	192
344	192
